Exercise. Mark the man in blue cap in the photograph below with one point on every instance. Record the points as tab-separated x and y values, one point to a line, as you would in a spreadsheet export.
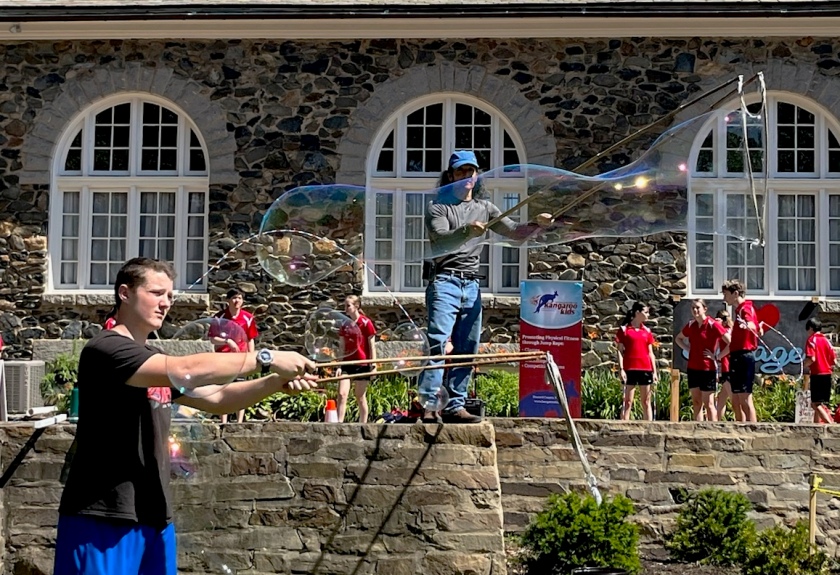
456	222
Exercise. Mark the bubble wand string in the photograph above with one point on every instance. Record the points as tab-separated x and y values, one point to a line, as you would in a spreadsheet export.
512	354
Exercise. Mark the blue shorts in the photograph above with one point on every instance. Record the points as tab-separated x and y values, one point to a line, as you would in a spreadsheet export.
92	546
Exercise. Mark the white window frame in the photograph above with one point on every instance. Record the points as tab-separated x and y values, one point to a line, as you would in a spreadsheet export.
821	183
400	181
134	181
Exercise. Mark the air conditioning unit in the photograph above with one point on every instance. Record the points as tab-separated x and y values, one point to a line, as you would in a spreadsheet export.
23	385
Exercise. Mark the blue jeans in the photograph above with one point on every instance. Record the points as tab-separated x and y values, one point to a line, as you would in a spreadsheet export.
454	306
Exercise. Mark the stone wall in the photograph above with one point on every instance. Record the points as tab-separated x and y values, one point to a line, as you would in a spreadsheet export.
281	114
656	464
405	499
293	497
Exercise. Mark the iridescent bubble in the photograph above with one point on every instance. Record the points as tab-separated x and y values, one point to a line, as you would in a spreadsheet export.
406	341
329	335
191	376
310	232
647	196
183	462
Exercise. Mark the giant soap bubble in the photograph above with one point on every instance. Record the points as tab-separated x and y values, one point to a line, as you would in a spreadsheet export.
311	232
331	336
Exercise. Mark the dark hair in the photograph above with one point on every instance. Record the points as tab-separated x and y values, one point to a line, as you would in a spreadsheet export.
723	316
813	324
733	286
232	292
133	274
478	190
112	313
631	313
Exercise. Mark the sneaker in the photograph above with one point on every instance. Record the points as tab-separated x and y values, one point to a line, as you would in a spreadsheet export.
461	416
431	416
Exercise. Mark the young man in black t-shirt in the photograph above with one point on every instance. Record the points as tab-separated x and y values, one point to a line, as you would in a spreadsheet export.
115	515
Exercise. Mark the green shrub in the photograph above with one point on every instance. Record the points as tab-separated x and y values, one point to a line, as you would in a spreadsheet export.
574	531
775	400
783	550
712	528
500	392
62	372
602	395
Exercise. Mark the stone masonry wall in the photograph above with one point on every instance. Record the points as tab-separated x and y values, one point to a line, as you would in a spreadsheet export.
403	499
656	464
282	114
296	498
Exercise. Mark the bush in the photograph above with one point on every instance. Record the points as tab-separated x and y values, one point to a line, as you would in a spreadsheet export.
574	531
712	528
61	376
775	399
602	396
783	550
500	392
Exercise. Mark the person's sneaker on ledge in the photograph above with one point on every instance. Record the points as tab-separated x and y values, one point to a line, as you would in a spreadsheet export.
431	416
461	416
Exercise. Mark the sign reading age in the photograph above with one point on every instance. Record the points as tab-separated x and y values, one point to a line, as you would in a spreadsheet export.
780	350
551	319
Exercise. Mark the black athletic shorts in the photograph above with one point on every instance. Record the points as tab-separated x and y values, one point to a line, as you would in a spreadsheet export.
702	380
724	377
354	369
638	377
741	371
821	388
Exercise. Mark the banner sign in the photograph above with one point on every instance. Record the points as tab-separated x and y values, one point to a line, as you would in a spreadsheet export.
551	319
780	349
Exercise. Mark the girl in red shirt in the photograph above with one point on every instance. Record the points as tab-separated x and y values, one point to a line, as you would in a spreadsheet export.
819	359
636	362
701	338
365	350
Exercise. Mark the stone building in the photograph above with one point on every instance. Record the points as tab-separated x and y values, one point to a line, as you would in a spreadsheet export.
167	129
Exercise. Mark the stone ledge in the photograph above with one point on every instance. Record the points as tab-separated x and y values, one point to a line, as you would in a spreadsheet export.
106	299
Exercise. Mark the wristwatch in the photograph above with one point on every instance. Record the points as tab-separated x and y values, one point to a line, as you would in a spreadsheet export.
264	357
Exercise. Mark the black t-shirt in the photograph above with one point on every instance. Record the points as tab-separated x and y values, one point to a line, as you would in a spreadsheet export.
121	467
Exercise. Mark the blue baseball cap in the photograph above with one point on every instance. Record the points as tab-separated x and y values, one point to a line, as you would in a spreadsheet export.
462	158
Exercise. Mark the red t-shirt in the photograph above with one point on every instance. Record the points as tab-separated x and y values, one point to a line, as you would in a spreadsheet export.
743	338
702	337
248	324
819	349
636	342
361	348
724	361
110	323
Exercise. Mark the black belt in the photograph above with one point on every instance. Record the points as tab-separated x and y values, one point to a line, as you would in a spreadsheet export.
461	275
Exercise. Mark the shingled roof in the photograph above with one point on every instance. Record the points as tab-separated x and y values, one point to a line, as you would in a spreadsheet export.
45	9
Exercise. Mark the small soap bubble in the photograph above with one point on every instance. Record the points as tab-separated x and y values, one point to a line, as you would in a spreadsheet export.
405	341
329	335
212	334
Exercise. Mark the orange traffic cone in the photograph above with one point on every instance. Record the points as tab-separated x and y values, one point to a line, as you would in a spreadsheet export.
331	413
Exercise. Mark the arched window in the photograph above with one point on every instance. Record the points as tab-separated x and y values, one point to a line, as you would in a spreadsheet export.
130	179
408	157
801	255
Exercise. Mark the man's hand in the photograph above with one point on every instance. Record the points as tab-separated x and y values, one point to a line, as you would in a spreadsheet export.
290	365
307	382
544	220
476	229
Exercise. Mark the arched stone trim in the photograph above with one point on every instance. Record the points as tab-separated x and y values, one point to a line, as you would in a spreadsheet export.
85	89
803	79
525	115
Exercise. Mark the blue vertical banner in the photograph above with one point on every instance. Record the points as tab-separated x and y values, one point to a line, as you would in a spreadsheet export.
550	319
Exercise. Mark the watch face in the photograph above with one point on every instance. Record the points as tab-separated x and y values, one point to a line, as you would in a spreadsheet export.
264	356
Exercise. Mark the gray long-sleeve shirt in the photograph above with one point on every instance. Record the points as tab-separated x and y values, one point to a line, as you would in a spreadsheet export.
446	225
